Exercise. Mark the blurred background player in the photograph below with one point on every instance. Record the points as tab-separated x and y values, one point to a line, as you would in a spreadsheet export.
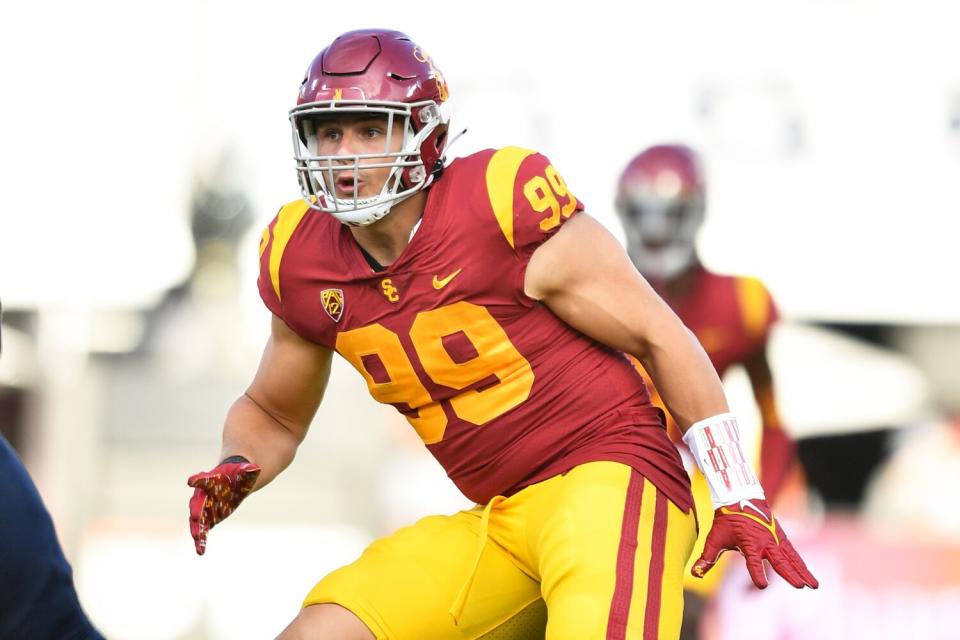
37	597
661	200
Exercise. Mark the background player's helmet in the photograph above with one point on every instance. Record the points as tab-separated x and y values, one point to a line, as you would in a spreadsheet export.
363	72
661	202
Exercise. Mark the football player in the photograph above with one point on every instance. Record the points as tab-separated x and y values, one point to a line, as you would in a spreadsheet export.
661	203
480	300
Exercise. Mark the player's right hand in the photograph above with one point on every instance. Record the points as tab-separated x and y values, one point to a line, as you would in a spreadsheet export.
750	528
216	494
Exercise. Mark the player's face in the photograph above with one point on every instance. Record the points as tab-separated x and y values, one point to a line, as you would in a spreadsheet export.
660	231
351	135
653	222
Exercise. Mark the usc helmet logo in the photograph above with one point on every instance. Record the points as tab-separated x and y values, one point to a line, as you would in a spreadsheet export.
332	301
438	78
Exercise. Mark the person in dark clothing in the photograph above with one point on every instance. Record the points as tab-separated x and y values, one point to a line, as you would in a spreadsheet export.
37	596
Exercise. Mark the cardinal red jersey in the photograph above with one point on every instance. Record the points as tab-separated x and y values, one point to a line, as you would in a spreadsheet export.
731	317
503	393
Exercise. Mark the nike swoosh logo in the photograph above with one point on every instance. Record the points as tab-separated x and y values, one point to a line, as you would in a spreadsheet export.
767	523
746	503
441	283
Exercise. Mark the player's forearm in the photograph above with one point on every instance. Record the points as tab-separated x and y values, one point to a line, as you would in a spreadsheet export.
684	376
252	432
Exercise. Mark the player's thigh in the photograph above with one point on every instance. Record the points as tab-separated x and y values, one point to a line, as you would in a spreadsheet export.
333	622
612	556
330	621
404	585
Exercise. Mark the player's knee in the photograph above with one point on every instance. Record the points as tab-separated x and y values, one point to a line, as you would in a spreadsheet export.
327	621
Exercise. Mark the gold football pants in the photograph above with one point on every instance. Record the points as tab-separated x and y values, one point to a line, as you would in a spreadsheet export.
599	545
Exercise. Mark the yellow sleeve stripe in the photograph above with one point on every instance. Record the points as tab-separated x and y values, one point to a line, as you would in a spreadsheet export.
264	239
754	306
287	220
501	175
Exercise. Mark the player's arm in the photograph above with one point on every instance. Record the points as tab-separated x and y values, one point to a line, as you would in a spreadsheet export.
777	448
269	421
585	277
263	428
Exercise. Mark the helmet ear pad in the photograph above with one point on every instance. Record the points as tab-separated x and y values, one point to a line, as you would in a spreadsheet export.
431	153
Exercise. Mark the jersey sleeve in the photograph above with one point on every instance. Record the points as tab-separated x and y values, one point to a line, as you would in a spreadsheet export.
529	198
758	312
273	243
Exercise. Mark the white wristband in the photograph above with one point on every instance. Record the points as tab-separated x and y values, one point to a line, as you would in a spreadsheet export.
715	444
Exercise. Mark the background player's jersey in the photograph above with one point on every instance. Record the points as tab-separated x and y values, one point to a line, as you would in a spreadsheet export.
503	393
731	316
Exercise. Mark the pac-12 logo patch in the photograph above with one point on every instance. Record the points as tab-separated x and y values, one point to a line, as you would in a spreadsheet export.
332	300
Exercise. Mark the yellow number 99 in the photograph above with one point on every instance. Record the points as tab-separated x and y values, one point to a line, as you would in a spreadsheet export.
495	357
544	193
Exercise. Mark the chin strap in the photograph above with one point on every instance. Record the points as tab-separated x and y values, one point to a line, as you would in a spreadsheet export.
441	162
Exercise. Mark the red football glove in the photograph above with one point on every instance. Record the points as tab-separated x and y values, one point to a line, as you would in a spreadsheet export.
750	527
777	457
217	493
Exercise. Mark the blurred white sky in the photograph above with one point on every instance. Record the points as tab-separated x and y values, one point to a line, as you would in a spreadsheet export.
826	126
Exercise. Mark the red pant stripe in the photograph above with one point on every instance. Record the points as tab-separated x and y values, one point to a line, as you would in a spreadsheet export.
658	546
626	554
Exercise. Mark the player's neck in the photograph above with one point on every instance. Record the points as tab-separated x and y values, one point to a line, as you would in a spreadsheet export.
682	284
386	238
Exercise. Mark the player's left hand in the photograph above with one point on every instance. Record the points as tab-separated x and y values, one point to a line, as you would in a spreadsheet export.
217	493
749	527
